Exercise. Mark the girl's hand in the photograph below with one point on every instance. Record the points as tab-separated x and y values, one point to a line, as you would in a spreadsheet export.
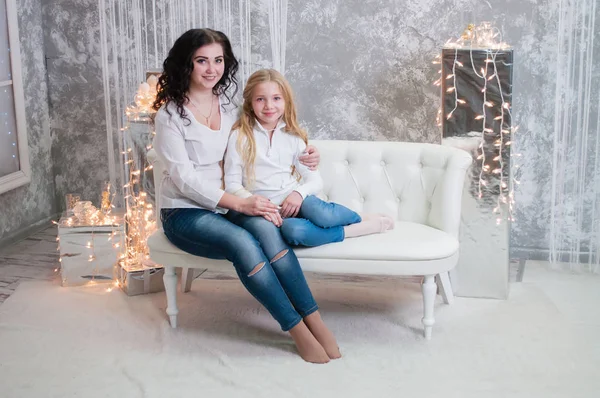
256	205
291	205
275	218
311	158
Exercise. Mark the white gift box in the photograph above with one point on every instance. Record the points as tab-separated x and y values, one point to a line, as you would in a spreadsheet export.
88	252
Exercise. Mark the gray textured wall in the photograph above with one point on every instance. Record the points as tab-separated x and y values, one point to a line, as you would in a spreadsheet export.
33	203
76	100
362	69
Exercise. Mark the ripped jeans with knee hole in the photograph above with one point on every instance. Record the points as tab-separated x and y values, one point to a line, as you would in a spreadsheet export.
263	261
282	259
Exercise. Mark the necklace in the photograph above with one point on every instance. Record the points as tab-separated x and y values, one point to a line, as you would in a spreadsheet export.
207	118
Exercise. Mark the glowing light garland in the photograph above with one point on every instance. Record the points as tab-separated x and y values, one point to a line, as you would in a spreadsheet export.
484	38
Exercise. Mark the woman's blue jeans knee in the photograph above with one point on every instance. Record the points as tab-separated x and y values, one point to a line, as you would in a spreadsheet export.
207	234
318	223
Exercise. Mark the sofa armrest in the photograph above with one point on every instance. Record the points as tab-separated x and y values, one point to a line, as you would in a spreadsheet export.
446	201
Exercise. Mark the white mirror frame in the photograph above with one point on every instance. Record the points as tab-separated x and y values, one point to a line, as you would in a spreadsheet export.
23	176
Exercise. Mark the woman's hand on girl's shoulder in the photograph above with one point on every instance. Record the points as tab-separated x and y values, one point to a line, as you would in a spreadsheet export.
311	158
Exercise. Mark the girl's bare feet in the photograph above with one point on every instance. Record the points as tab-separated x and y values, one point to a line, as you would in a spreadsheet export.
323	334
308	347
389	221
370	224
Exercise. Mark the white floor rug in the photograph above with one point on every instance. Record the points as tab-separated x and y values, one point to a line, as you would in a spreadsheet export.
86	342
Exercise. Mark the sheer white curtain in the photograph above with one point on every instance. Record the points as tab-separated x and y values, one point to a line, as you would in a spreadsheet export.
278	29
136	36
575	212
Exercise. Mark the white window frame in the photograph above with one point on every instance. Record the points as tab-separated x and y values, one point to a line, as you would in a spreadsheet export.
23	176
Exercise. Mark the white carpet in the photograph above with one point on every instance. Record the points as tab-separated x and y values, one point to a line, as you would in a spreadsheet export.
85	342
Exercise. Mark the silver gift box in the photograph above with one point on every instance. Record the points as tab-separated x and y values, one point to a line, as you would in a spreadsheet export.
88	252
141	279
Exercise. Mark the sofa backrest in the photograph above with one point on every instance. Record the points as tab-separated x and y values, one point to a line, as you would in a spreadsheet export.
409	181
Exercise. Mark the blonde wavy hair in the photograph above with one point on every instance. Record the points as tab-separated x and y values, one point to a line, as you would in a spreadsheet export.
246	144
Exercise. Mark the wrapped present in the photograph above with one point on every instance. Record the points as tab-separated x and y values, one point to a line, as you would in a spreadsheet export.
142	278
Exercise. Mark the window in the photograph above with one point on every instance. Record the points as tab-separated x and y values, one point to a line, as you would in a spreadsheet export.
14	155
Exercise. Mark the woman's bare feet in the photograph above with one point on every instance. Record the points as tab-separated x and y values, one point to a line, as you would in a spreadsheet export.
323	334
308	347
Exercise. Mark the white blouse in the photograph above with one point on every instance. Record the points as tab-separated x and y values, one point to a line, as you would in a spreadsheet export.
191	155
273	167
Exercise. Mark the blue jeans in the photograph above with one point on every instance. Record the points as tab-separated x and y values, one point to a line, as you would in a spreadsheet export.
279	285
318	223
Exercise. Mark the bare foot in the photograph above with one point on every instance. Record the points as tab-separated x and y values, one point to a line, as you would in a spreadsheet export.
387	220
323	334
367	226
308	347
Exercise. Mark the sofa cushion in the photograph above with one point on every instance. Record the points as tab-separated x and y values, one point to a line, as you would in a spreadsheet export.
406	242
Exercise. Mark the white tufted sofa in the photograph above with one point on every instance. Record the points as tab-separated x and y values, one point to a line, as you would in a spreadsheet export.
420	185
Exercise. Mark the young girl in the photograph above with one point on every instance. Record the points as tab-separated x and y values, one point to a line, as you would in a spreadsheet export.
262	159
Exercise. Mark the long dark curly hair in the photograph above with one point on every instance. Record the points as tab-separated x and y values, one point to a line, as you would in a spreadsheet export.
174	82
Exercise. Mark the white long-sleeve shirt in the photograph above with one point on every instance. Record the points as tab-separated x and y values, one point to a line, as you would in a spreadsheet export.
191	155
273	167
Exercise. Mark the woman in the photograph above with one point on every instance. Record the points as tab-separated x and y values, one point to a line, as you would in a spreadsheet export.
192	124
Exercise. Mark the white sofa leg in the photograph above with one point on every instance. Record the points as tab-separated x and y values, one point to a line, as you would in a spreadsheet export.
187	276
428	287
170	281
443	282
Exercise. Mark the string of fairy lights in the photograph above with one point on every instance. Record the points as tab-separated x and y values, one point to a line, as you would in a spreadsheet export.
494	172
140	215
